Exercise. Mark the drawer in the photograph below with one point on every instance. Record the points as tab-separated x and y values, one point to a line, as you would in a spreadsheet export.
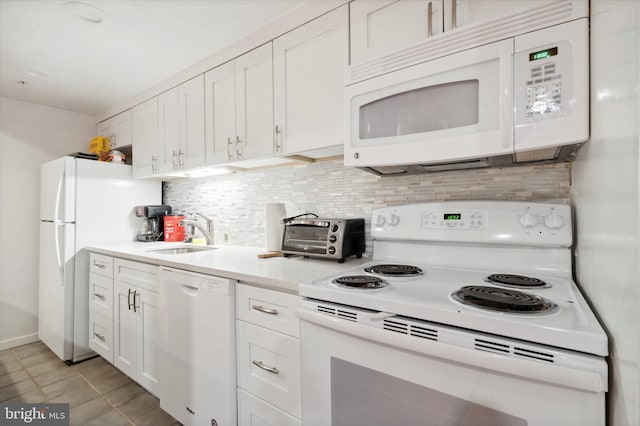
139	274
101	335
101	295
253	411
268	308
100	264
269	366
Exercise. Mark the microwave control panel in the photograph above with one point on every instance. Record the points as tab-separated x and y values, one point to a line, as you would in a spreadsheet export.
543	79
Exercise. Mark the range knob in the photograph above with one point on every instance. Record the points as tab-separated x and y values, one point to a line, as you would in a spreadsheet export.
332	239
380	220
554	220
394	219
331	250
528	220
334	228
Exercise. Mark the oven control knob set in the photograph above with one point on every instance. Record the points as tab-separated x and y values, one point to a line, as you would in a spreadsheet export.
392	220
552	221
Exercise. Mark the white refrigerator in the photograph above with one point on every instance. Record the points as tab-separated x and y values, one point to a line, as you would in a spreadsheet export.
82	203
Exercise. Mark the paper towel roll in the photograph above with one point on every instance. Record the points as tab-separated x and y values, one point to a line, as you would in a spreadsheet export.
274	227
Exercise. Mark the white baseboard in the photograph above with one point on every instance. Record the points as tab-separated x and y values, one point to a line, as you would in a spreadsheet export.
18	341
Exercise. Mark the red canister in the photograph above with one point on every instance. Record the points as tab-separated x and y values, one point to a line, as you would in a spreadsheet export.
173	231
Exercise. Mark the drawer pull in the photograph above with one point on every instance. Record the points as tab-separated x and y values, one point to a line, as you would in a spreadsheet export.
99	265
100	336
100	296
272	370
265	310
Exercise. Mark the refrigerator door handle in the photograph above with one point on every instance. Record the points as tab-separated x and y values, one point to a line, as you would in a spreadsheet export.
59	242
56	212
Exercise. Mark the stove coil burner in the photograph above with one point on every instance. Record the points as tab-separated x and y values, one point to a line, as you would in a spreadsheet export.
516	280
394	270
360	281
503	300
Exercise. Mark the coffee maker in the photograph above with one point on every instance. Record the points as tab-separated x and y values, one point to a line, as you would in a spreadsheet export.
152	226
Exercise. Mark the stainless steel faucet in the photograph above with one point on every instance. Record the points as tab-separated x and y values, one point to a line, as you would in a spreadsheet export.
206	232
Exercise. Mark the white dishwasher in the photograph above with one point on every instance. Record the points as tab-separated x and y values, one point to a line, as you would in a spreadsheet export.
197	379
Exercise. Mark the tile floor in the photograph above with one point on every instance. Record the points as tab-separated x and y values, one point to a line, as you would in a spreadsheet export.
97	393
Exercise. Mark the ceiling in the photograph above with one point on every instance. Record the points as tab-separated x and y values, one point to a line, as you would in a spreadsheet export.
49	55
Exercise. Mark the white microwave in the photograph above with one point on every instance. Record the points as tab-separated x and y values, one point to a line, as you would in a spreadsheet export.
521	99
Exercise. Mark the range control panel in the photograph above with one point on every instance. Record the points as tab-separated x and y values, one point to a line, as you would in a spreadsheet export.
455	219
502	222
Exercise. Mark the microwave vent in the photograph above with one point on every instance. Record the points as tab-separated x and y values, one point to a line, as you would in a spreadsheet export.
537	155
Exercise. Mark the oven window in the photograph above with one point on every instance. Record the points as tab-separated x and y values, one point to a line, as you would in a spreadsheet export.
364	397
427	109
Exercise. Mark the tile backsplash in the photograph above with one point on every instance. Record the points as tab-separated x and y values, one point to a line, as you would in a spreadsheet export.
237	202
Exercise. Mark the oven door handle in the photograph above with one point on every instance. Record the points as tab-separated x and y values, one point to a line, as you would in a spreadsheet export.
587	379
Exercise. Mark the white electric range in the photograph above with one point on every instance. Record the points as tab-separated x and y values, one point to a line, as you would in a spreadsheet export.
460	297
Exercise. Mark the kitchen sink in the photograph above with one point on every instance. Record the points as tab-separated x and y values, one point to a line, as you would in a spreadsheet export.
181	250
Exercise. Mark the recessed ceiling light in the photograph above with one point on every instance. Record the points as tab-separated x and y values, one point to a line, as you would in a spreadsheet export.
85	12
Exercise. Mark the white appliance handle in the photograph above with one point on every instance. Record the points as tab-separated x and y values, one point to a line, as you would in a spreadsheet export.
563	376
56	212
59	244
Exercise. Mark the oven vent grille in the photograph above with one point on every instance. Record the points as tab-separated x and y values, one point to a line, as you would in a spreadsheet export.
486	345
410	329
502	348
533	354
340	313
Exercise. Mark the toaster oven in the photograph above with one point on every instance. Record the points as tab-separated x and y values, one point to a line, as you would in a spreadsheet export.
328	238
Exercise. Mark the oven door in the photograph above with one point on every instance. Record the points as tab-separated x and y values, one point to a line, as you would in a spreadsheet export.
454	108
355	374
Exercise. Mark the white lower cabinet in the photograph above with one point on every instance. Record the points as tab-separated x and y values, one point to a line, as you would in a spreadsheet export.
135	322
101	305
253	411
123	316
268	350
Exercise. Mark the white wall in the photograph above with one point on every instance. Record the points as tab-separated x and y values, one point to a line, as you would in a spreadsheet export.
606	192
30	135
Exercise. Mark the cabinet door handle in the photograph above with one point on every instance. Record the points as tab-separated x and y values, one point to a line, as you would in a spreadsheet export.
272	370
154	167
277	138
238	147
181	158
100	336
135	294
100	296
129	299
430	19
99	265
265	310
229	144
454	14
174	160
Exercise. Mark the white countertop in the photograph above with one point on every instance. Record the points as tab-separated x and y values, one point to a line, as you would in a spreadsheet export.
235	262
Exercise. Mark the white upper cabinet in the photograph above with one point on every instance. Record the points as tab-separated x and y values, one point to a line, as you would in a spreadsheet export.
117	129
309	70
239	108
144	131
191	150
181	142
254	103
379	27
458	13
168	130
